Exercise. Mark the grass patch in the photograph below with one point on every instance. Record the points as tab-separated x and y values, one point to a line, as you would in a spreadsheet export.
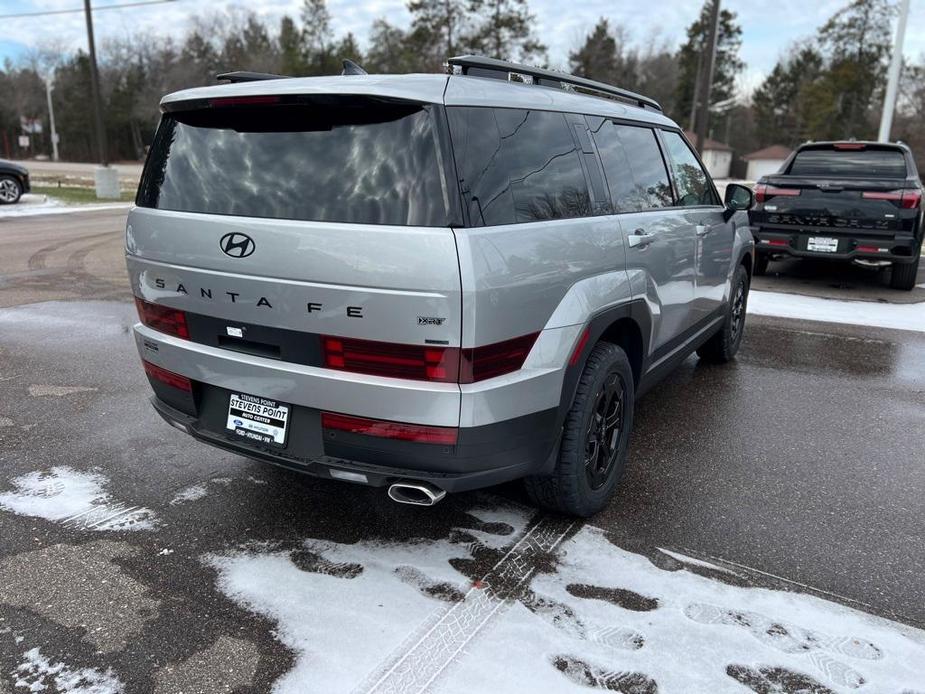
76	195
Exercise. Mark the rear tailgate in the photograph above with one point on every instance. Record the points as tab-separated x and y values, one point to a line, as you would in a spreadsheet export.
841	187
300	216
879	207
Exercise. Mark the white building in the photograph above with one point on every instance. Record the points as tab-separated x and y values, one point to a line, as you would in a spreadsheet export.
766	161
716	156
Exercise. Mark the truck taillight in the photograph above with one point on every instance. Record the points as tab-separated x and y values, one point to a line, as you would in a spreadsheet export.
425	362
162	318
906	199
764	192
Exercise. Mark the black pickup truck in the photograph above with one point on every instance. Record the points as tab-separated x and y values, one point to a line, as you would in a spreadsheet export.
849	201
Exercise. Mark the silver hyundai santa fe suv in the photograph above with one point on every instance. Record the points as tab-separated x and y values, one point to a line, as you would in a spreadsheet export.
432	283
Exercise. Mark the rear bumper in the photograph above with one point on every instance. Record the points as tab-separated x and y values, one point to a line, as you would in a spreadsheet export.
483	456
507	426
897	249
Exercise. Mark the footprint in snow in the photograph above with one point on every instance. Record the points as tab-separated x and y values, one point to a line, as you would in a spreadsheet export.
562	617
582	673
793	639
775	680
442	590
317	564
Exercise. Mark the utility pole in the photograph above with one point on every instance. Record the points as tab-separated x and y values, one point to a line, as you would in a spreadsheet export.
892	85
51	118
107	178
706	76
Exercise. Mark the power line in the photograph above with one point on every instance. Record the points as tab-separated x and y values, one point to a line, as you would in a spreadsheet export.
80	9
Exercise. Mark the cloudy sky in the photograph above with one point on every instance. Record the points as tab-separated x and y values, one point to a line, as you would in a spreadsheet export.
768	27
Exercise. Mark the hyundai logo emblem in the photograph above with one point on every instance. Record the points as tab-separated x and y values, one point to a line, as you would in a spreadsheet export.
237	245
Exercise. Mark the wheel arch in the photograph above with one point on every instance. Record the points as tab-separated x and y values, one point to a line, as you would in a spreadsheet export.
629	327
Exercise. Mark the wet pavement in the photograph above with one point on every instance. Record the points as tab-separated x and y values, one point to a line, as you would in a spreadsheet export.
769	533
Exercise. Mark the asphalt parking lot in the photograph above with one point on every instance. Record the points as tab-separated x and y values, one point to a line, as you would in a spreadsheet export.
769	535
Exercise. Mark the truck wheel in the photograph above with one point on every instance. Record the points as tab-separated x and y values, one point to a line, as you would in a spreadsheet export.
594	438
761	264
10	190
723	346
904	275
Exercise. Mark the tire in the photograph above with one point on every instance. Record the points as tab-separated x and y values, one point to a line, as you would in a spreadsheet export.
905	274
587	470
722	347
10	190
761	264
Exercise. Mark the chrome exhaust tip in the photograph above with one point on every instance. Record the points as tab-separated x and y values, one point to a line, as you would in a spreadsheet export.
415	493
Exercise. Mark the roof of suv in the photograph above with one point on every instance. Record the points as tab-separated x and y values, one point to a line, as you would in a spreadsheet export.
452	90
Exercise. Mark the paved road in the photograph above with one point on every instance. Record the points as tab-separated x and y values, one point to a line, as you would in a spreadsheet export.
140	556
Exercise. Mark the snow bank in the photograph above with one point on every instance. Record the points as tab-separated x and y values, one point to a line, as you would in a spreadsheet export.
868	313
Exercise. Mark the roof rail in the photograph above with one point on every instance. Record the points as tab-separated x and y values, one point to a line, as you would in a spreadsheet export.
480	66
245	76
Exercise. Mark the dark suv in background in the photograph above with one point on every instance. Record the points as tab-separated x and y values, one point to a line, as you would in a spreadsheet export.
848	201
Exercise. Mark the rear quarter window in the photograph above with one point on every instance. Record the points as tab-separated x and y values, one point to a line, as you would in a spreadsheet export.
338	160
517	165
861	163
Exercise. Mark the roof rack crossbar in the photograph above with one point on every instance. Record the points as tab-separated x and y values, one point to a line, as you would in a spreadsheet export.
479	66
245	76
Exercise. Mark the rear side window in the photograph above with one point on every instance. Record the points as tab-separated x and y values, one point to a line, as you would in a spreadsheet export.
689	177
633	165
847	163
336	160
517	165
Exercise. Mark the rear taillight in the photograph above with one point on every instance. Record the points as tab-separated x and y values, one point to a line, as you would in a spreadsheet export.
495	360
764	192
425	362
417	362
168	377
446	436
162	318
906	199
849	146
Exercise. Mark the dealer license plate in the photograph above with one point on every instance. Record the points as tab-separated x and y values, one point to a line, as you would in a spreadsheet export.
822	244
257	419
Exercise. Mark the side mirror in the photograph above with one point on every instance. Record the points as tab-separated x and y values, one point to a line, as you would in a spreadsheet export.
739	197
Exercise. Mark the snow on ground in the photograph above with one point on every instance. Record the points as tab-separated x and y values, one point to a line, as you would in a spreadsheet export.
868	313
76	499
194	492
407	618
37	673
31	205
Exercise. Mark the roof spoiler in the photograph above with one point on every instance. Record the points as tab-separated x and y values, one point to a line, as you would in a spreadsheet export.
350	68
480	66
245	76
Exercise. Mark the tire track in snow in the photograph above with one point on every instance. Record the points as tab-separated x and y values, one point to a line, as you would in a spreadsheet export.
441	638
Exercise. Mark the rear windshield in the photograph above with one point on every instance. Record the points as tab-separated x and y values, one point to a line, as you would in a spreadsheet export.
361	161
861	163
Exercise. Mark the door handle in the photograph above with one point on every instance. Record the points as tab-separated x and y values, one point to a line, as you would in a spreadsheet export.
640	238
703	229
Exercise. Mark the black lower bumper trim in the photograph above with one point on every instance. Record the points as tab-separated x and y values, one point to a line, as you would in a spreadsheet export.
484	456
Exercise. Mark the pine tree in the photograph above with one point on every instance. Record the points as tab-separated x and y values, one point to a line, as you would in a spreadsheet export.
504	30
726	68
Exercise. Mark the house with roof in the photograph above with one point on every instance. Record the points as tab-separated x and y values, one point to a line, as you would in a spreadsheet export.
766	161
716	155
